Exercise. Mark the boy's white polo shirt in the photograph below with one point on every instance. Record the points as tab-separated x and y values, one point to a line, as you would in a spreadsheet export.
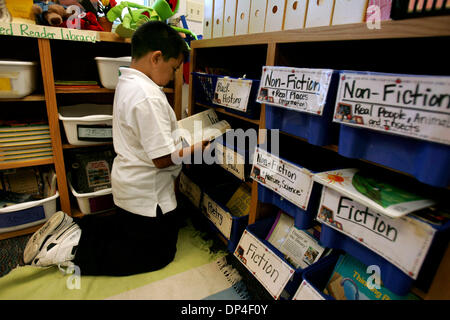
143	122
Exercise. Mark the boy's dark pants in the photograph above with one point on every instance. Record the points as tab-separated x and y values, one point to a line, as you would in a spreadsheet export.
125	243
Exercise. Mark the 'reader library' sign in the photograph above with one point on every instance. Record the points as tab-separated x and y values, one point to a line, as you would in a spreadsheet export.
303	90
46	32
408	105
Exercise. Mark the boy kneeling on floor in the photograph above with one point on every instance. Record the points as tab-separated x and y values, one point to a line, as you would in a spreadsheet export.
142	235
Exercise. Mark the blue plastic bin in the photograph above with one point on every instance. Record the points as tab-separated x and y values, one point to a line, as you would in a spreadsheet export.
205	86
393	278
317	130
220	193
253	107
303	219
27	214
237	228
226	141
428	162
260	230
320	272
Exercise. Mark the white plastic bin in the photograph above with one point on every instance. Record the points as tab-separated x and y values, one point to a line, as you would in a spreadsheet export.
87	124
108	70
27	214
93	202
17	78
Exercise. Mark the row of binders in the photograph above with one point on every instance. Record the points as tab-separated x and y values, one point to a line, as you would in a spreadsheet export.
24	141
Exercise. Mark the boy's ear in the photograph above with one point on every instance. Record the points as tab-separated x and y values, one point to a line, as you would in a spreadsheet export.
155	56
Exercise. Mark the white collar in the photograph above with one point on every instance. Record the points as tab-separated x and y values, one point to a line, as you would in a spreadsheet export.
127	72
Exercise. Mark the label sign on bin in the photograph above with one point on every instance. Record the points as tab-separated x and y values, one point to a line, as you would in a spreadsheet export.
230	161
298	89
218	216
94	133
291	182
413	106
232	93
266	266
404	241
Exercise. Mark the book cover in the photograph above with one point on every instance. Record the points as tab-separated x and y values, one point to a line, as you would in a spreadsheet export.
202	126
352	280
299	247
385	198
9	153
23	128
24	143
239	203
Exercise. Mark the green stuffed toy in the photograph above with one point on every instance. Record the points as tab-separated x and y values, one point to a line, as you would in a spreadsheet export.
161	10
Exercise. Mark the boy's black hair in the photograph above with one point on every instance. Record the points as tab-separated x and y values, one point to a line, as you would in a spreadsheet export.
157	35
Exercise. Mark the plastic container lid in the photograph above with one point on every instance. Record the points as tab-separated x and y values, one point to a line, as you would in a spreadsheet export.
16	63
120	59
86	112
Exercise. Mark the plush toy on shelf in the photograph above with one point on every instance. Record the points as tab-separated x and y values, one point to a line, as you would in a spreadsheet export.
139	14
65	14
49	13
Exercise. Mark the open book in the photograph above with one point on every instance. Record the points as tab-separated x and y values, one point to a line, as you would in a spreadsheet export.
384	197
299	247
202	126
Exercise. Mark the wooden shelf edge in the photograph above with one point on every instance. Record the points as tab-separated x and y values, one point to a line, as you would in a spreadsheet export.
392	29
19	233
29	163
31	97
71	146
98	90
113	37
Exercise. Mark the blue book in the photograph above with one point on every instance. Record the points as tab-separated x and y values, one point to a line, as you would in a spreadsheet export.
352	280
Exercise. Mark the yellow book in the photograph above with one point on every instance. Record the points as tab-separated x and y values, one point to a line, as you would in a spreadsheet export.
239	203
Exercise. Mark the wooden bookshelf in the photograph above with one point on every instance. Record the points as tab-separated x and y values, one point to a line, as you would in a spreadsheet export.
391	45
50	95
408	28
31	97
26	163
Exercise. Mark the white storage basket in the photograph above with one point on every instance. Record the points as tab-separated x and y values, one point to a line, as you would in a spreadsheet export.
87	124
17	78
108	70
93	202
27	214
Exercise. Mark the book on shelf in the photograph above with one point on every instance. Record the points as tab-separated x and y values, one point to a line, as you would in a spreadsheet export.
38	146
24	138
239	203
13	134
43	157
26	184
8	198
202	126
23	127
300	247
27	156
353	280
9	153
26	143
387	198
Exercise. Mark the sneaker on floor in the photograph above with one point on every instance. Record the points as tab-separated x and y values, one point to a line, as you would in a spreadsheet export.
59	220
59	248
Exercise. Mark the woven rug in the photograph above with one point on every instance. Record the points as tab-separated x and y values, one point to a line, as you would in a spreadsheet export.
11	252
195	273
